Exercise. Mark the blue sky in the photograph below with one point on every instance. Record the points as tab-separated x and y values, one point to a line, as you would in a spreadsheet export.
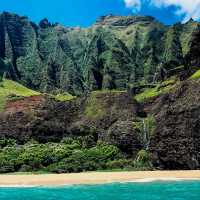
85	12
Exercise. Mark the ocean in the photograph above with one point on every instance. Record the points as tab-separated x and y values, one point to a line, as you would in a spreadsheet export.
180	190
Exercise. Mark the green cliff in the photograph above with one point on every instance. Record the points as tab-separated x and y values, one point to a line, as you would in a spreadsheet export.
114	53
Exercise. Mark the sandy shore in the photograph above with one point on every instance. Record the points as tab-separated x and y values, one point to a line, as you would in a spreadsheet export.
95	178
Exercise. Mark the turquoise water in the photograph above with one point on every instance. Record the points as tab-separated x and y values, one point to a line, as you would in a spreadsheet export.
188	190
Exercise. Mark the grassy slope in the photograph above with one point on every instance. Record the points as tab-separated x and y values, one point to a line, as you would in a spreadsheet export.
162	88
8	87
64	97
196	75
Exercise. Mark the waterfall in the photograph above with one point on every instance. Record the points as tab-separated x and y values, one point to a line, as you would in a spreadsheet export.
155	77
146	137
144	130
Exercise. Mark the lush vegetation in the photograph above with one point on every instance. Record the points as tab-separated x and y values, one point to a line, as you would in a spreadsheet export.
94	108
196	75
149	123
142	160
13	89
119	51
64	97
67	156
161	88
95	104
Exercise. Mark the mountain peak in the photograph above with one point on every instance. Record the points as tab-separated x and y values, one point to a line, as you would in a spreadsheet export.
44	23
9	15
115	20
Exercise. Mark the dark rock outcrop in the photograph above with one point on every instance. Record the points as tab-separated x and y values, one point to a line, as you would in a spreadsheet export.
40	118
176	140
123	135
106	116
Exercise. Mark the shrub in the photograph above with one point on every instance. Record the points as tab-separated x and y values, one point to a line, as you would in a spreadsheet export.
119	164
25	168
7	142
87	141
68	156
67	140
142	160
87	159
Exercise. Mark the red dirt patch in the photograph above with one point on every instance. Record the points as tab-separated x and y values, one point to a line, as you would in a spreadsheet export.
25	104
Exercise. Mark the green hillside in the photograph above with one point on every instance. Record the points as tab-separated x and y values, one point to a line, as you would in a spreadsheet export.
113	53
12	88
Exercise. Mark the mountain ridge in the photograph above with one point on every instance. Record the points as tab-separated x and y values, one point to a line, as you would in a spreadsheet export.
113	53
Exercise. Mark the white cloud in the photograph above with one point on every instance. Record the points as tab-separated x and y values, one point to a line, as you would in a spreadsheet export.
186	8
133	4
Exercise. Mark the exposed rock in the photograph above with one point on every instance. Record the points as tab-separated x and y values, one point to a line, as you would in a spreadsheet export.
40	118
106	116
176	141
123	135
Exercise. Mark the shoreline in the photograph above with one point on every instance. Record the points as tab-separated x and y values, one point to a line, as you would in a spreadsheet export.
89	178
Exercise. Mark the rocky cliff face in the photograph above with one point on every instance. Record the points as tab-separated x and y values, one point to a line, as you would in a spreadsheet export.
176	140
114	117
112	54
105	116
